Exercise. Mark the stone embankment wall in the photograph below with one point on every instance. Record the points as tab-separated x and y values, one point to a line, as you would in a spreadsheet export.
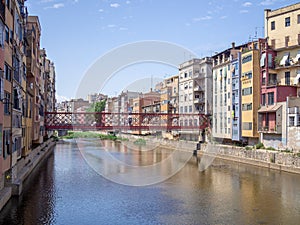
283	161
23	169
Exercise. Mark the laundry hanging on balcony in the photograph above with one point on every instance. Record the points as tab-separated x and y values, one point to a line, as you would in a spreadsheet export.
285	59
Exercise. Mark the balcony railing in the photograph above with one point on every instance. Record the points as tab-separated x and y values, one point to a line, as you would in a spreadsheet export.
198	88
272	82
270	129
199	100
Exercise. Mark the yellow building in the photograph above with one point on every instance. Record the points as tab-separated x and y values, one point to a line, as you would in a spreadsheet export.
250	84
282	26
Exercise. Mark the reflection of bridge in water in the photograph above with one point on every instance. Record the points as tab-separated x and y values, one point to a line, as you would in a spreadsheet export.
125	121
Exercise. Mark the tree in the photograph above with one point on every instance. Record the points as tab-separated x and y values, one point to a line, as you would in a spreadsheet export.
97	107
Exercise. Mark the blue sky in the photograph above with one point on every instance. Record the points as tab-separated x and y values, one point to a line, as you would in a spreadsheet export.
76	33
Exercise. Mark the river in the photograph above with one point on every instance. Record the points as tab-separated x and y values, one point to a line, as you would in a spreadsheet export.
68	189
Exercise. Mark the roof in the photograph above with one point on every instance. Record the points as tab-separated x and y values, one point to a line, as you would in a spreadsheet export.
272	108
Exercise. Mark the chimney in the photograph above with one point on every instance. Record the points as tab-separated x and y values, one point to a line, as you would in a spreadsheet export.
233	45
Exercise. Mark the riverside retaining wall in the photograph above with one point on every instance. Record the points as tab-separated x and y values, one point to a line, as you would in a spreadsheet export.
23	169
259	157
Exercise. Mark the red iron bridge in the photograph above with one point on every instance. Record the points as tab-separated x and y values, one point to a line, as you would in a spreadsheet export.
125	121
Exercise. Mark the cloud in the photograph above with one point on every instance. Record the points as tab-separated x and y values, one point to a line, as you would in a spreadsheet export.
111	25
244	11
128	2
46	1
123	28
223	17
101	10
56	6
115	5
202	18
61	98
247	4
267	2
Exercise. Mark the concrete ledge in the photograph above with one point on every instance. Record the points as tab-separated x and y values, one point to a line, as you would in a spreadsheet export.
36	156
5	195
254	162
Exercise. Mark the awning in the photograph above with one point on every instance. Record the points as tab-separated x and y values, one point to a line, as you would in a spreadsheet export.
296	79
263	60
284	59
272	108
296	59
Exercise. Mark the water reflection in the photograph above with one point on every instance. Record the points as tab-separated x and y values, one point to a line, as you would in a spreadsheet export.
132	165
67	191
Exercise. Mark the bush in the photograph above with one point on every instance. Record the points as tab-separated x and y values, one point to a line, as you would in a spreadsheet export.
259	146
140	141
270	148
248	148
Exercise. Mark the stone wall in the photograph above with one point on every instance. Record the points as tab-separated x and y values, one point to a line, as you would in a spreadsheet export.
272	159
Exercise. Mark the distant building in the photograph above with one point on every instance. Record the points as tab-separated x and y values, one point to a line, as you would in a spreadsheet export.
195	97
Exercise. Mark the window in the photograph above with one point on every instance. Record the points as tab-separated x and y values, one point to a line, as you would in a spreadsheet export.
273	43
185	109
7	2
190	108
287	21
287	78
287	40
273	25
263	99
7	72
246	59
185	75
247	75
181	109
292	121
7	103
271	98
6	140
6	34
247	107
247	126
247	91
298	19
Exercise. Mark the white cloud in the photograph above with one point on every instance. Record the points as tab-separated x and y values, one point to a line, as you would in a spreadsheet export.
202	18
247	4
61	98
187	24
123	28
111	25
267	2
128	2
115	5
46	1
223	17
244	11
101	10
56	6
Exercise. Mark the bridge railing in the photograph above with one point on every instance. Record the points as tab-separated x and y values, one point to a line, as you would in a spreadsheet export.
124	121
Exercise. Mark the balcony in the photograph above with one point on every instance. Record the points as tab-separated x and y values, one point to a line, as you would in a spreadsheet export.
199	100
272	82
277	129
199	88
199	75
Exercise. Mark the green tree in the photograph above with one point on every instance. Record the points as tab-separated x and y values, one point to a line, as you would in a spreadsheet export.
97	107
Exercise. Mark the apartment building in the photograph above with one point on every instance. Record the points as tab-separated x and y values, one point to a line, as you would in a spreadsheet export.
34	74
222	94
280	74
195	97
4	164
250	88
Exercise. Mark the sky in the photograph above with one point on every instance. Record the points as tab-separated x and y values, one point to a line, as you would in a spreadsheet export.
78	33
